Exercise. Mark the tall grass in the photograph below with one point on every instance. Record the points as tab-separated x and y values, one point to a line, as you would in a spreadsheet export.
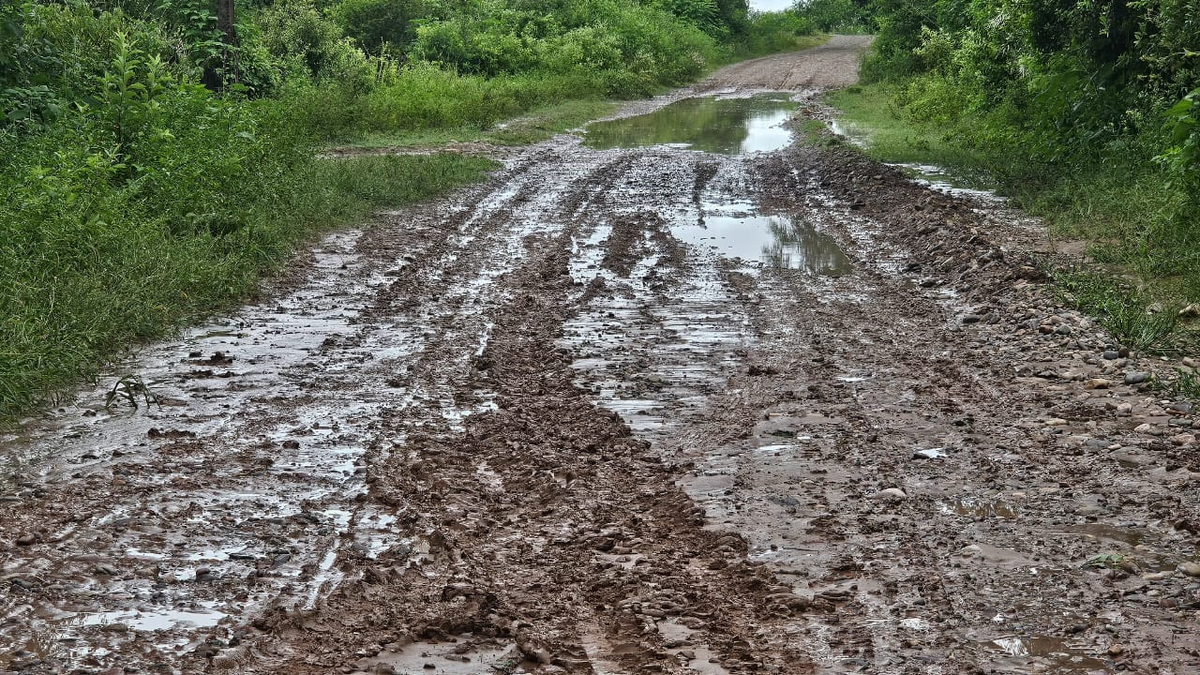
86	274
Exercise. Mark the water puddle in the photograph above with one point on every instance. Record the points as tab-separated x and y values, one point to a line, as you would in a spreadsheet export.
972	507
727	126
1110	533
939	179
738	230
153	620
1056	654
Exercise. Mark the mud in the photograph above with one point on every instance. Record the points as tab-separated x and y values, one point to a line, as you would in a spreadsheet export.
644	409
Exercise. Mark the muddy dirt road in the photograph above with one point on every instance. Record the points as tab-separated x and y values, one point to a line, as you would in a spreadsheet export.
687	395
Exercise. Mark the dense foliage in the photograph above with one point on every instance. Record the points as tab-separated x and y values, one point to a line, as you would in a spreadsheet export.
156	155
1068	80
1087	110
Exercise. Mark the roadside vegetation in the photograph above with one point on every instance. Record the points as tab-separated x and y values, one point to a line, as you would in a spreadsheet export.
1086	113
157	157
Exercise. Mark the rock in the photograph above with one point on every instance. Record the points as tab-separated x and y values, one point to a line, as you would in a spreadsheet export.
890	494
971	318
1181	422
1097	383
1189	568
1056	422
1190	312
1116	650
931	453
1184	439
1182	407
1136	378
1190	362
26	540
1111	355
1063	330
1143	429
1125	409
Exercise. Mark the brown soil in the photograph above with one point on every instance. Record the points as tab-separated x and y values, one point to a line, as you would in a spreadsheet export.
534	428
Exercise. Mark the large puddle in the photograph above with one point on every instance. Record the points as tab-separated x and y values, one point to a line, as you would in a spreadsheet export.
727	126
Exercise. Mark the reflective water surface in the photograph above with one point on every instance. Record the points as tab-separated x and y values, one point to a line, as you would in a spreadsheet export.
728	126
738	230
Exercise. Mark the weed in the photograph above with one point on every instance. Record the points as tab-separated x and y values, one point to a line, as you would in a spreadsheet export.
1124	311
130	388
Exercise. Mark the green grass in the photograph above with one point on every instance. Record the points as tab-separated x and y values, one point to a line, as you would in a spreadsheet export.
533	127
868	116
65	315
1119	203
1138	321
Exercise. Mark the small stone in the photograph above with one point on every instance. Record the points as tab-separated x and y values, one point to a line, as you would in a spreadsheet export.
1063	330
115	628
1125	409
1116	650
1184	439
1097	383
1056	422
1180	407
1143	429
1111	355
890	494
971	318
106	570
1189	362
1181	422
1136	378
1189	568
26	540
1190	312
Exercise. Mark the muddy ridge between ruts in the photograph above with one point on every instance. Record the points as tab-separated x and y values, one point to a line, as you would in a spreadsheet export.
555	535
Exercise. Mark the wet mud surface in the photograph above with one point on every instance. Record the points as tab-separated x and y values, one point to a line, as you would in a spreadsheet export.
631	410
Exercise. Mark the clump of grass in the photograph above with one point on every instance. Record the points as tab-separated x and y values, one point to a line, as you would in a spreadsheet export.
1125	312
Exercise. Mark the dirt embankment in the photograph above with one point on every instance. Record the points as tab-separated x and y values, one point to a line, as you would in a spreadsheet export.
553	425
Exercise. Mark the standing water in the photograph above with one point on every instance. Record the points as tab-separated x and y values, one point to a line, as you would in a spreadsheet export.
727	126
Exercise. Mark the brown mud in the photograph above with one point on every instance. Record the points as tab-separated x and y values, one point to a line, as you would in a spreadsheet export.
563	422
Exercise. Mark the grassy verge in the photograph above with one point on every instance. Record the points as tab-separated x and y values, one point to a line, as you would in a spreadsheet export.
66	314
1122	206
537	125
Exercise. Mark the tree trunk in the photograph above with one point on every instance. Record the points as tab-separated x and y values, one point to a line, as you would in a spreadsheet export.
216	77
